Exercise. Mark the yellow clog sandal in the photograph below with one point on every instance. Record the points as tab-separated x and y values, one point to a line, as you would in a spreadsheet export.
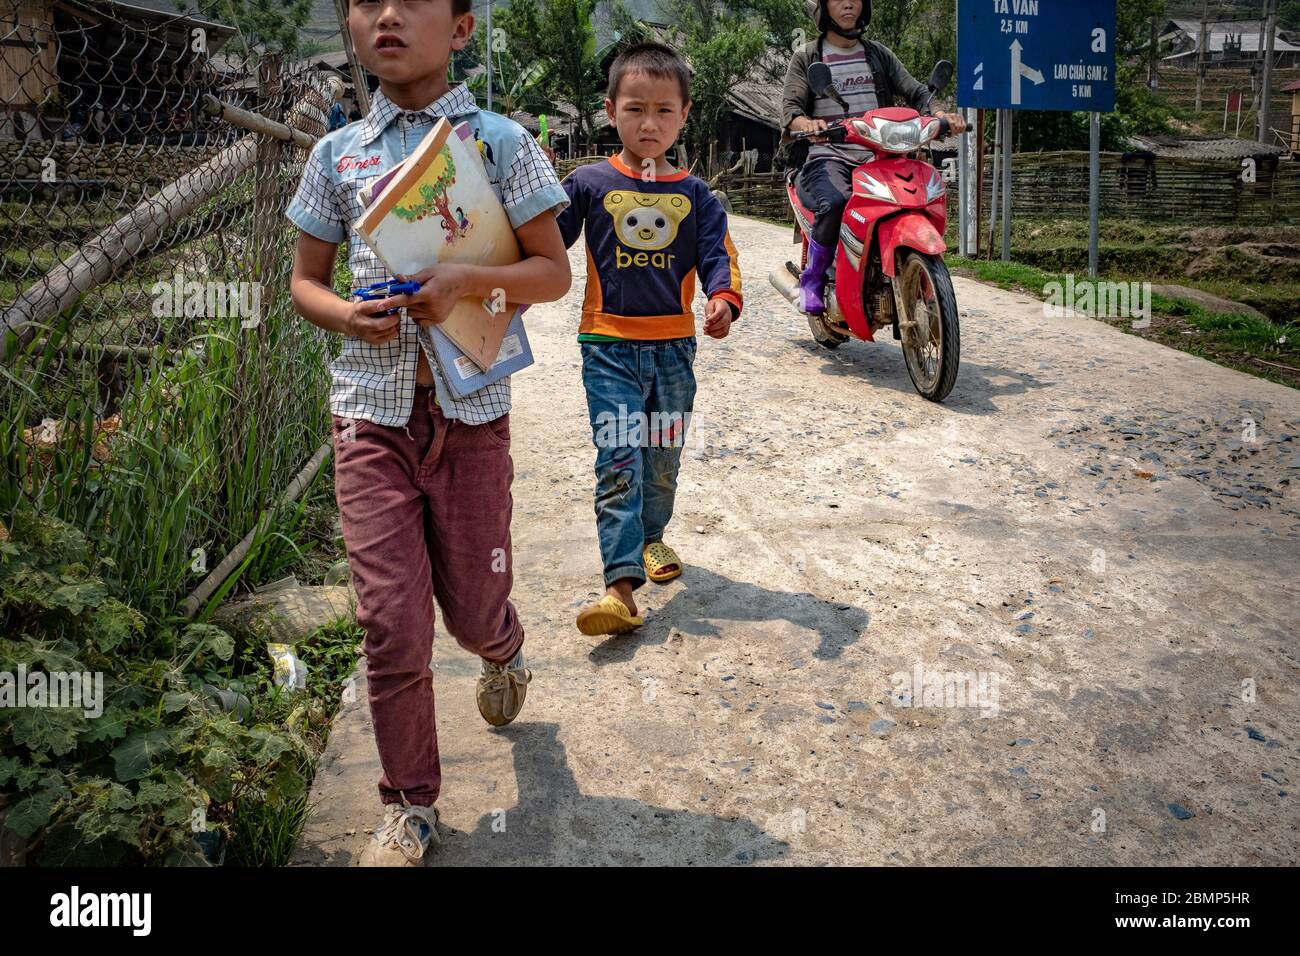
609	615
661	562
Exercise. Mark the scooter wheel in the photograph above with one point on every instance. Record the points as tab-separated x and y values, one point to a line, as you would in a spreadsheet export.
931	331
823	335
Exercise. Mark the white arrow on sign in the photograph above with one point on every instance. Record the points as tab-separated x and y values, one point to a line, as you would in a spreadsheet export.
1018	70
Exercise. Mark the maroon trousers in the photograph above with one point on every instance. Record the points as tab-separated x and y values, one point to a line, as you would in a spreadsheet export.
426	514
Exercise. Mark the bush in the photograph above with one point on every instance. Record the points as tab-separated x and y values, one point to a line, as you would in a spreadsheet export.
160	761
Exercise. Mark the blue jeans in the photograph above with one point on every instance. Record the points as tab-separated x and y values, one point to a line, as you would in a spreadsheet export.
640	396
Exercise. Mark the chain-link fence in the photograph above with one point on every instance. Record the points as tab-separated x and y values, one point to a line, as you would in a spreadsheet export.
157	389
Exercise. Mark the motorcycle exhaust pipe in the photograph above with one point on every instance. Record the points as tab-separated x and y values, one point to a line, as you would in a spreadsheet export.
784	282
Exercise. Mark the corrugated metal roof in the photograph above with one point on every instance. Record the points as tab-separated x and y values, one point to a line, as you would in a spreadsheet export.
155	10
1219	148
1248	30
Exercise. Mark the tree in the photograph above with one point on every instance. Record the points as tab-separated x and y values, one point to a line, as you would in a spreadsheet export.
722	46
517	84
723	43
889	18
433	195
561	35
726	43
263	25
628	30
919	32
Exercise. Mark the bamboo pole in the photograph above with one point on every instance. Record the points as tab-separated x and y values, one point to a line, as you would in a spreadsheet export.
99	257
359	84
1201	44
83	350
128	237
1266	79
255	122
208	586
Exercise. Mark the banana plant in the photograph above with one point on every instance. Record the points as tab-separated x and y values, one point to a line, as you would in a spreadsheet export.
514	87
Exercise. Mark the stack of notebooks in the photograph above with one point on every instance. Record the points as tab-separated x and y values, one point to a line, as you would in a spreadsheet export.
438	206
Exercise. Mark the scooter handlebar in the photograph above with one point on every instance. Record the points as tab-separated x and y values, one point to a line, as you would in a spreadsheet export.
834	132
837	131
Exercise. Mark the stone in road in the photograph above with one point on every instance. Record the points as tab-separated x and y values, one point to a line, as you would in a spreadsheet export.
1102	533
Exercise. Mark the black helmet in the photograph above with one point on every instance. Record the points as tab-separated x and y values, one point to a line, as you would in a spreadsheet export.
818	13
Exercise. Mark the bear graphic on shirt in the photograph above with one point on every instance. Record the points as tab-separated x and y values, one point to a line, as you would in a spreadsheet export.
646	222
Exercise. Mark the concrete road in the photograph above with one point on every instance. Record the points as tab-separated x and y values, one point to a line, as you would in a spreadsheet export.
1052	620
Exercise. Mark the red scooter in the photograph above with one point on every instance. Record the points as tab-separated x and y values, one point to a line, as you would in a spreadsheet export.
888	267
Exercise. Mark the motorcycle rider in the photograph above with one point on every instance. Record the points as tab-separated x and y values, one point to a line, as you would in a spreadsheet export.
868	76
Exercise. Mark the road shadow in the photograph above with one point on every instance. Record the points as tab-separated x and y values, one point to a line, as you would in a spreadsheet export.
703	596
881	363
556	823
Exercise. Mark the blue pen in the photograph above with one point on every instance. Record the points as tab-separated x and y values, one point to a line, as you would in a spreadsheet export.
382	290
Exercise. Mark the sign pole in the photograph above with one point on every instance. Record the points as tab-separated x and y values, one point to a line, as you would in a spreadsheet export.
1025	55
997	181
973	186
979	179
1004	120
963	186
1094	189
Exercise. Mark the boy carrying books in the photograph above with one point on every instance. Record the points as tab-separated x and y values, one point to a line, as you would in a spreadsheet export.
422	479
651	229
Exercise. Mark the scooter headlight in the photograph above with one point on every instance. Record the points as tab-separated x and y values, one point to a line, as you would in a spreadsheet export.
900	137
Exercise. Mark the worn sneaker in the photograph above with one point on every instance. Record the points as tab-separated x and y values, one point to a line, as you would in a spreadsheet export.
405	835
502	689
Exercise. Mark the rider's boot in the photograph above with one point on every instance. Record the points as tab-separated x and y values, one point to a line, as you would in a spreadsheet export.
813	278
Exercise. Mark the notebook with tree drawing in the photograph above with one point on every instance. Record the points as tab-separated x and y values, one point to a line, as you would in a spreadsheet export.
438	206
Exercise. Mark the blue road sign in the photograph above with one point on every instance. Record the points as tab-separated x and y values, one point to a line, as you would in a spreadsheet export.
1036	54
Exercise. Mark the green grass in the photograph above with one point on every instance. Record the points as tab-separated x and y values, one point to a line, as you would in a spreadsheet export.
1045	250
1232	339
206	443
265	832
206	439
24	261
1247	263
1238	330
57	215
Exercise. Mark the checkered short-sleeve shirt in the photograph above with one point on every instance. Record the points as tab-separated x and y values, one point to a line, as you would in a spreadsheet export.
377	382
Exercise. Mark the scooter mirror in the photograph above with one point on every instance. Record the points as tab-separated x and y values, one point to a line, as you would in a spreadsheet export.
940	76
819	78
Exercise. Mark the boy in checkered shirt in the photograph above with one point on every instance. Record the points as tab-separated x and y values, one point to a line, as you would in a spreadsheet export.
422	479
